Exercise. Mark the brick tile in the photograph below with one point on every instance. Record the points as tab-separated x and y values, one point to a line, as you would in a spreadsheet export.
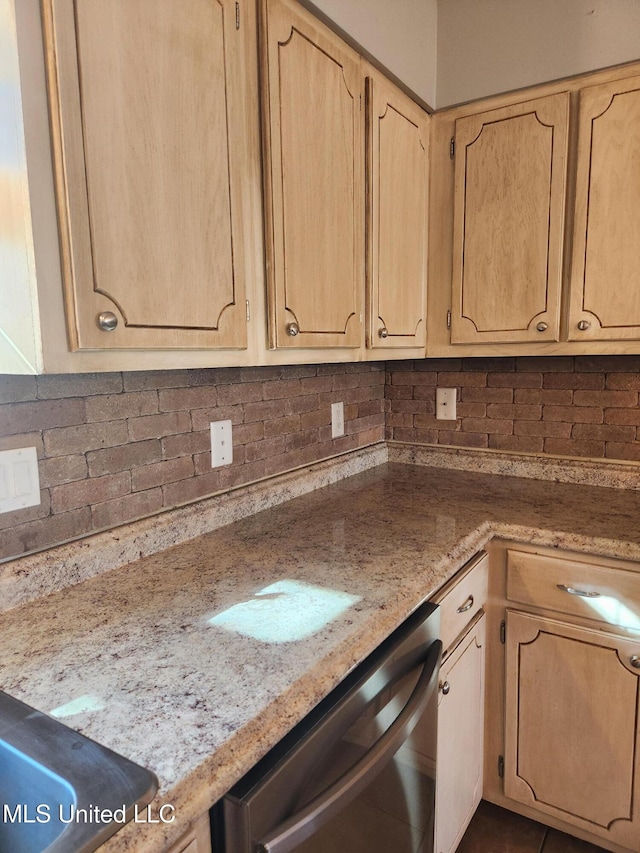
520	412
202	418
204	376
261	374
623	381
40	415
396	420
62	469
489	364
60	386
467	379
606	399
604	432
17	389
608	363
21	439
331	369
246	433
193	489
573	381
470	410
315	418
426	396
350	412
573	447
155	379
230	477
370	436
262	411
265	449
369	407
440	365
627	451
162	472
542	396
299	371
552	429
545	364
429	421
185	399
421	436
280	389
346	380
316	384
44	532
157	426
413	406
518	443
203	460
515	380
486	395
400	392
282	426
80	439
364	424
463	439
124	457
406	377
90	491
302	438
622	416
187	443
298	405
571	414
243	392
487	425
114	407
121	511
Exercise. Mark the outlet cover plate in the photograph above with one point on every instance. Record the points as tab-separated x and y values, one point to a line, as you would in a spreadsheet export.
19	479
337	420
221	443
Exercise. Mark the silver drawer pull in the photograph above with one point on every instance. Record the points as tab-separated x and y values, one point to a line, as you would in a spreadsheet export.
466	606
583	593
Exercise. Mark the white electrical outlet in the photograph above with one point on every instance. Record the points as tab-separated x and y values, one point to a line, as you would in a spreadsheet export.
19	479
221	443
337	420
446	404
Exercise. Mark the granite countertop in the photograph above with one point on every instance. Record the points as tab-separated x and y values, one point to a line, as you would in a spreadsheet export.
195	661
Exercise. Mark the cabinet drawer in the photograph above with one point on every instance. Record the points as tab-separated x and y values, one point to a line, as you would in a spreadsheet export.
603	593
462	598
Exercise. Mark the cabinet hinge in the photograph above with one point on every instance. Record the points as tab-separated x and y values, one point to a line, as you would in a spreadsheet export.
248	311
449	319
452	148
501	766
237	16
503	632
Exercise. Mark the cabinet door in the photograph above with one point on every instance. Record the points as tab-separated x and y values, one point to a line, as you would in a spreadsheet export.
460	738
571	726
147	114
605	275
314	193
397	217
510	178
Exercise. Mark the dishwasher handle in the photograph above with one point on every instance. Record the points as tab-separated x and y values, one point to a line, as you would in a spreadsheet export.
304	823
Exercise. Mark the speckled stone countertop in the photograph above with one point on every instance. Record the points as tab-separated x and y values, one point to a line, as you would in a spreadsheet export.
324	578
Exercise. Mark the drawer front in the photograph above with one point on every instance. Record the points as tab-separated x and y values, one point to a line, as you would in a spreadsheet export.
606	594
462	598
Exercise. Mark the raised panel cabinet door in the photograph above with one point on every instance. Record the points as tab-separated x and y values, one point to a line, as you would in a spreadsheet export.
605	272
147	105
314	181
510	180
460	738
397	217
571	725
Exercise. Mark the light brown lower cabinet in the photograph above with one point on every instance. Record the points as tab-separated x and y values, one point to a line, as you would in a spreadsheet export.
460	737
571	725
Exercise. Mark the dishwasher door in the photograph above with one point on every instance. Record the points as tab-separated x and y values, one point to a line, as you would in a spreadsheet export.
358	774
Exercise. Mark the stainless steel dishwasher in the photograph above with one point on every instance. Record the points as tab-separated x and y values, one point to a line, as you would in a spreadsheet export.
357	775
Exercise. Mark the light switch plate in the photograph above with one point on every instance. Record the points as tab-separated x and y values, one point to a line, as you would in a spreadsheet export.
221	443
19	479
446	404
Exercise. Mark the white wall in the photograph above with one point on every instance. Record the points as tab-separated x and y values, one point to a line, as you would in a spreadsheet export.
490	46
401	34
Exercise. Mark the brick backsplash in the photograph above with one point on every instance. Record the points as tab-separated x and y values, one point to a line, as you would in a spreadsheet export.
570	406
115	447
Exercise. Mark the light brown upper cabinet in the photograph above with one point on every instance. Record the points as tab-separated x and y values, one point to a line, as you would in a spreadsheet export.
313	90
397	216
510	179
148	108
605	276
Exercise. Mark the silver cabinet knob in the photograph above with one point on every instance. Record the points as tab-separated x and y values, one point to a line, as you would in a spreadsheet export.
542	326
383	333
634	660
445	687
583	325
107	321
293	329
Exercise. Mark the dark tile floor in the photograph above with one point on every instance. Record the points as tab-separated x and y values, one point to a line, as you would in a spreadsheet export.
494	830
